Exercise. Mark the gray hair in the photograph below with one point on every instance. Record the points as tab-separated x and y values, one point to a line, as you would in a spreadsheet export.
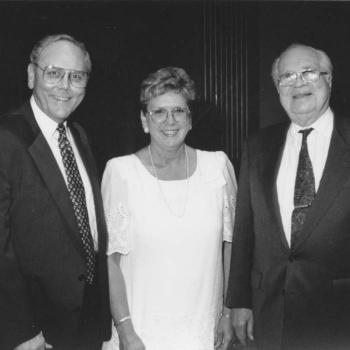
168	79
49	39
324	60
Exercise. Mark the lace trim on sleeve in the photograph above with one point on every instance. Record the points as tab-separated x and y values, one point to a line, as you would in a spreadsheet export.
117	223
116	203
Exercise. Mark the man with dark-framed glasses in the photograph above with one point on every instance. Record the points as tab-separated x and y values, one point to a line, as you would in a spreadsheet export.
289	283
53	270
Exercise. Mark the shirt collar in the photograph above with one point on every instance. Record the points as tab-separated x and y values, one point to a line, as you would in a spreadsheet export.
47	126
323	125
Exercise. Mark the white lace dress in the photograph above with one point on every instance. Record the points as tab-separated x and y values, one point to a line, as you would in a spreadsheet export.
172	265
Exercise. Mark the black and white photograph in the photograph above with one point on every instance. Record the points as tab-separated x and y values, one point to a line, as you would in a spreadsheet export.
174	175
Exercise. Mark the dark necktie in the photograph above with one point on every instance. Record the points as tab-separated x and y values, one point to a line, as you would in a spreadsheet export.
77	197
304	191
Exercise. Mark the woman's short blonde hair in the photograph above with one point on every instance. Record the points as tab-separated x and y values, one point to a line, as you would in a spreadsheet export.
168	79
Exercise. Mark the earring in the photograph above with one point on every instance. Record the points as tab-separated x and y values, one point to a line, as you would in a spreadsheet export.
146	130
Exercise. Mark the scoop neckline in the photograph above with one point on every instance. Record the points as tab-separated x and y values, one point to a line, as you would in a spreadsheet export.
153	177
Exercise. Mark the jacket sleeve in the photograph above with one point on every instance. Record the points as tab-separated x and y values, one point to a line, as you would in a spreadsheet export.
17	321
239	289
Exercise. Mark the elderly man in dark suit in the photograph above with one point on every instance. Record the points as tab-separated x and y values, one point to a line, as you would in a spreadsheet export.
289	283
53	274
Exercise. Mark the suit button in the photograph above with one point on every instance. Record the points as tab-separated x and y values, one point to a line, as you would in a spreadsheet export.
283	292
291	258
77	309
81	277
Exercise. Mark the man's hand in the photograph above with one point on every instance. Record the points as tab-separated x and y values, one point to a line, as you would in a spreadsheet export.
36	343
224	333
243	324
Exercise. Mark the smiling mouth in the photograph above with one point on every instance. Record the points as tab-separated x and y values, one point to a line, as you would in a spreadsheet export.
61	99
170	132
302	95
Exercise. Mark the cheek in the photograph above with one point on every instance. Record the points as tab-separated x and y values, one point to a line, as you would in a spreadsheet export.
78	98
75	101
323	94
43	95
44	92
285	100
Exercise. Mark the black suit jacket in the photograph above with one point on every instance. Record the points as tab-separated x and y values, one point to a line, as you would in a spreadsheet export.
300	298
41	256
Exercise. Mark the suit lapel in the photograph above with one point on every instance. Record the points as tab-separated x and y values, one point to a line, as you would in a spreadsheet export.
270	163
84	151
335	174
51	175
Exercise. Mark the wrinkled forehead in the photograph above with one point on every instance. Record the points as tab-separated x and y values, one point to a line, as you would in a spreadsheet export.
297	59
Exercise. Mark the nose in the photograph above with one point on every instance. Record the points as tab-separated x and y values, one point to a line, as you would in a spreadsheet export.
170	117
65	81
299	81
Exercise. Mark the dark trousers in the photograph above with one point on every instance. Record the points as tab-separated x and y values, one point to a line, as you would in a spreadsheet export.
88	336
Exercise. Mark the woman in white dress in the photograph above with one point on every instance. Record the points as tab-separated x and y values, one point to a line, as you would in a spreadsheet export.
170	212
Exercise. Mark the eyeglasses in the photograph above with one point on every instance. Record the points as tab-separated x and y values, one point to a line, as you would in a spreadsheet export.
307	76
160	115
53	75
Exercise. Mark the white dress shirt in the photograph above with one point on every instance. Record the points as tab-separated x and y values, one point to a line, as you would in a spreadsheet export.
318	145
49	129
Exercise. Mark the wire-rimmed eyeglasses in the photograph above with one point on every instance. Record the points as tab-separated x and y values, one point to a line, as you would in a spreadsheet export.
160	115
307	76
53	75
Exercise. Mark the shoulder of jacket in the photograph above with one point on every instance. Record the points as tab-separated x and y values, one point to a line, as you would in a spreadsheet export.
15	124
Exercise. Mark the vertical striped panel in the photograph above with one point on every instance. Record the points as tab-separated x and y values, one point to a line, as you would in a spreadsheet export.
226	73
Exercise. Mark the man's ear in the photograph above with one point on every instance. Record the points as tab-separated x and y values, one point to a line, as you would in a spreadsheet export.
329	79
31	75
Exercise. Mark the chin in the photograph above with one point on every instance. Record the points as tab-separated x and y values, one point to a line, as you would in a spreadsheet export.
172	144
303	111
60	118
304	120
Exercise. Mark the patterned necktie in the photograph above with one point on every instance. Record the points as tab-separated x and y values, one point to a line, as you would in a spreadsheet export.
304	191
77	197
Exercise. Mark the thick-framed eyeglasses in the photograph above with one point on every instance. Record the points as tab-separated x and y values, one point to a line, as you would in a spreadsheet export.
160	115
53	75
306	75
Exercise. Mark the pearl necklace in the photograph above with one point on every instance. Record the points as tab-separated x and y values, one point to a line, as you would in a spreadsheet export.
160	187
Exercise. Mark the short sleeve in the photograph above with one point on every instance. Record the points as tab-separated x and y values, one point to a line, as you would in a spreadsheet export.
230	193
115	201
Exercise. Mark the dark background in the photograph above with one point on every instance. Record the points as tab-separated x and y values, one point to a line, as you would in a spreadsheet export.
128	40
